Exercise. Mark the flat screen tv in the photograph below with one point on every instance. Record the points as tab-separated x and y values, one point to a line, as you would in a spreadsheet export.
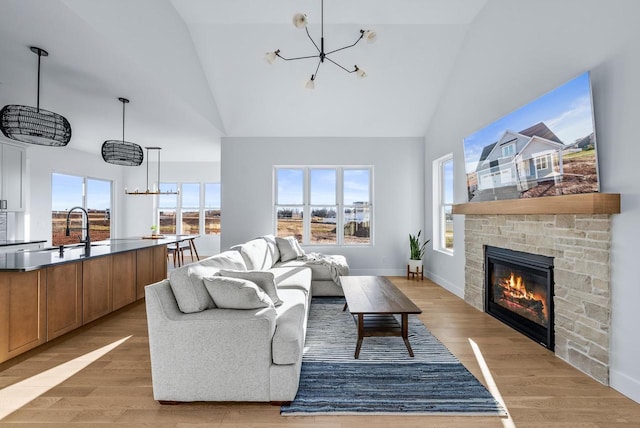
546	148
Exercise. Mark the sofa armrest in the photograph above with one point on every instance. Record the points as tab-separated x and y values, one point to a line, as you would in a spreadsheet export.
213	355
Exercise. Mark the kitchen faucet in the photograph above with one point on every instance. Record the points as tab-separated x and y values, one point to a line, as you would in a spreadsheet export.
87	240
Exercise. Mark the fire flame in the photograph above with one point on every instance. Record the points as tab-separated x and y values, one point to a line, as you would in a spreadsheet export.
515	285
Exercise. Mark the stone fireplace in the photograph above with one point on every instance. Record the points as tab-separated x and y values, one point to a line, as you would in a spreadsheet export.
579	245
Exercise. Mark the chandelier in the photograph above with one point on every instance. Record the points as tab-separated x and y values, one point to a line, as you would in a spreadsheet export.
122	152
34	125
300	21
148	191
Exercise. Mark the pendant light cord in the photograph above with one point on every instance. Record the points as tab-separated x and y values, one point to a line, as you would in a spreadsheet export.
123	103
38	99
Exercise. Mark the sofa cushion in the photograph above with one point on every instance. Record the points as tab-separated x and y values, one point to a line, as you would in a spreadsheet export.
255	254
236	293
292	277
272	247
188	288
225	260
264	280
288	339
289	248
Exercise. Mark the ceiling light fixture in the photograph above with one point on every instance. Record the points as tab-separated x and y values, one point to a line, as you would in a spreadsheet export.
122	152
34	125
148	191
300	21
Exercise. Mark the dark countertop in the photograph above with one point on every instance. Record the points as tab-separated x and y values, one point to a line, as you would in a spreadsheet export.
8	243
28	260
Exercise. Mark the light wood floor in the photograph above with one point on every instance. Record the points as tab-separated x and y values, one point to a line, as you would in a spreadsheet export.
539	389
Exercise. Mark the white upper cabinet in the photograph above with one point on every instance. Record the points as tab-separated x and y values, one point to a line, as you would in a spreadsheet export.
12	177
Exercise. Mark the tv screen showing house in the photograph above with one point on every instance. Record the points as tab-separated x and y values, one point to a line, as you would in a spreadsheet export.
546	148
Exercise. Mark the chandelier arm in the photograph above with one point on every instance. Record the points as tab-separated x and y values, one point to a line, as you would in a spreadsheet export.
348	71
347	47
315	75
298	57
314	43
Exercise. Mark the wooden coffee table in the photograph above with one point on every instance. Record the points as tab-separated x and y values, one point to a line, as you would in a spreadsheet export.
373	300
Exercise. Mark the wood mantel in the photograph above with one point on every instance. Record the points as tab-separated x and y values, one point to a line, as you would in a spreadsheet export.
586	203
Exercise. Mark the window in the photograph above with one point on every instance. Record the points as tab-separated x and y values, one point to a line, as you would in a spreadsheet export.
542	163
168	209
195	209
94	195
442	204
508	150
212	209
324	205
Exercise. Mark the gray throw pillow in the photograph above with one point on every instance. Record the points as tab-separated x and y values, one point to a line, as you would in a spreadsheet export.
265	280
289	248
235	293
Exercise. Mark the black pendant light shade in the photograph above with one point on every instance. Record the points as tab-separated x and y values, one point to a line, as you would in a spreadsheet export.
122	152
34	125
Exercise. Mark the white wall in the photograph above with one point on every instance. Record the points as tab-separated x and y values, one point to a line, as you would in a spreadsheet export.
139	211
516	51
247	191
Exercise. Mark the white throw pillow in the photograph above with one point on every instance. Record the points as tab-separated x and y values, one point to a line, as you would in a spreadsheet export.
265	280
289	248
235	293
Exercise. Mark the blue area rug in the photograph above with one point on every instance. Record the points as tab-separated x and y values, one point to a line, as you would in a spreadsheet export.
385	379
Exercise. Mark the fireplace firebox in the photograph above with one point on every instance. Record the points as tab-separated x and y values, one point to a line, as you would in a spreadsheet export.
519	292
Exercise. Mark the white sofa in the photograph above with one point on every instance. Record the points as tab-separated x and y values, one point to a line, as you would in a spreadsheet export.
201	352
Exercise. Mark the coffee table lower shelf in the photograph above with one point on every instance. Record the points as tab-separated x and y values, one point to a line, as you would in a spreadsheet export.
370	325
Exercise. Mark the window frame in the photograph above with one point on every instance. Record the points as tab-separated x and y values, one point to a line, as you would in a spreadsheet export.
511	148
306	207
84	197
202	208
440	205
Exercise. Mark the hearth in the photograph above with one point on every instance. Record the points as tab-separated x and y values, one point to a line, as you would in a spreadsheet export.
519	292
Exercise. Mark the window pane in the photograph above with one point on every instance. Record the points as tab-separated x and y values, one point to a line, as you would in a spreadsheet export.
323	187
167	221
356	186
290	222
190	194
357	224
290	187
448	228
99	208
212	208
447	194
66	193
323	225
168	201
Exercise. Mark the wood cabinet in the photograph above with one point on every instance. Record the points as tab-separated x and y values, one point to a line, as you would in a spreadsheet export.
96	288
22	312
151	267
124	279
64	299
12	176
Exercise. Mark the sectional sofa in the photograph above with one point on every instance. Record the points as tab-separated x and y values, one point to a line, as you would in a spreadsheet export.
232	327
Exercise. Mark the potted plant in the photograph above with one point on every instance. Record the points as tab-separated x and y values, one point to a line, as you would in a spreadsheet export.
154	230
417	251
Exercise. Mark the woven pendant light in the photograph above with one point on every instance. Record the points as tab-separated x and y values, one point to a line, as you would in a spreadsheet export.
34	125
122	152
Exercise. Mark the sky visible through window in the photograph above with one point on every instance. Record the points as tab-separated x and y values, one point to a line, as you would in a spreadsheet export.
567	111
323	186
67	192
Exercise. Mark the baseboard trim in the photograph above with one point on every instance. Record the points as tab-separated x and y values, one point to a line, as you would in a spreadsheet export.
625	385
447	285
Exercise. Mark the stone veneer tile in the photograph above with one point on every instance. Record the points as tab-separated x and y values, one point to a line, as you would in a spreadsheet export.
580	245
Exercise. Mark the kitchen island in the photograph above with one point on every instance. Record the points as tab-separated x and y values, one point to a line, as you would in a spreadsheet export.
45	293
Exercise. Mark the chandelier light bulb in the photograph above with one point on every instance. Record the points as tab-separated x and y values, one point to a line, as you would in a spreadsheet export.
300	20
310	83
270	57
360	72
370	36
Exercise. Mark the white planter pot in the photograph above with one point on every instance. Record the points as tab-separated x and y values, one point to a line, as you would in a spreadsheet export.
415	265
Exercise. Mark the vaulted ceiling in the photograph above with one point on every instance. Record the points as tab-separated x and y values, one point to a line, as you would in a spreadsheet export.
194	70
